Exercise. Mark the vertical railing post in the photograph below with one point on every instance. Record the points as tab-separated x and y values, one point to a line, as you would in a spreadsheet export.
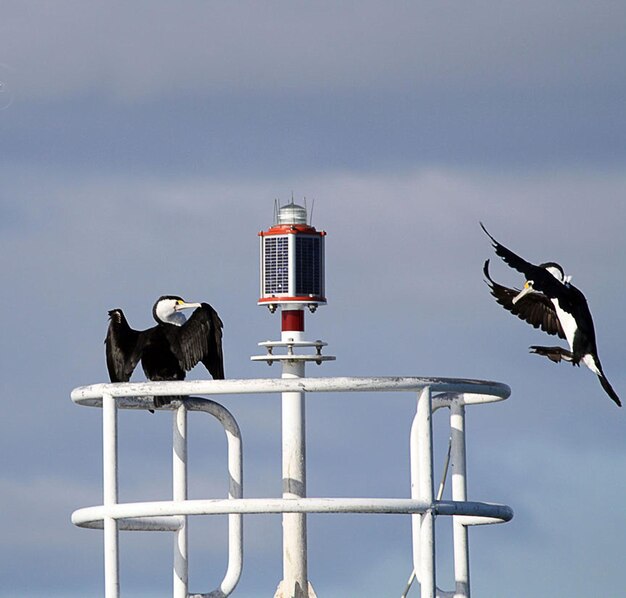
179	493
426	570
416	495
459	493
110	496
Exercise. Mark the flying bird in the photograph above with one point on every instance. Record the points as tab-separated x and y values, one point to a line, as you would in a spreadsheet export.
168	350
550	302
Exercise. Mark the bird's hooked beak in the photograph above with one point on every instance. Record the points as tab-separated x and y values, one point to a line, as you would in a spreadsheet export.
180	305
528	288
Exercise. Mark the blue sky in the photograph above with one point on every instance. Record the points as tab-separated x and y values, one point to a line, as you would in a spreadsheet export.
141	149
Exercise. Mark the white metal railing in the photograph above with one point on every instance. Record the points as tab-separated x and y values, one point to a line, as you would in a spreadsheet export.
423	506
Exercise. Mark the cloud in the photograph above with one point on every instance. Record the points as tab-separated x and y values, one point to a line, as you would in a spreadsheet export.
152	49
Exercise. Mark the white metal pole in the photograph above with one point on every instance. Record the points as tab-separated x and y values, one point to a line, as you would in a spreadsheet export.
110	494
295	577
415	494
426	489
179	493
459	493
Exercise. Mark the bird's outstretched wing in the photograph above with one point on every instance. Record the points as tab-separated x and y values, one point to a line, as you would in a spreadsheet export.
512	259
534	308
542	280
200	339
123	347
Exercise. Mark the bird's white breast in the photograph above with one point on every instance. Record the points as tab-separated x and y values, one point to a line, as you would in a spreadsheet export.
568	323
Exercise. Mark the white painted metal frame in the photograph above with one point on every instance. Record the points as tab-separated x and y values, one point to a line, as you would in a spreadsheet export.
155	521
433	394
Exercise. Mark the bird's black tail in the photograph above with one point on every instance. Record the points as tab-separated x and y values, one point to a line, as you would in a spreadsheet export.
595	366
609	389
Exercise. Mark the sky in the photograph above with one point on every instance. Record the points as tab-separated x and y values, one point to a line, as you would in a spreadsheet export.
142	147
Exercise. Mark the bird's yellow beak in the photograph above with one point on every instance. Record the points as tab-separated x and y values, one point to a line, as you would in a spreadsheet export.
180	305
528	288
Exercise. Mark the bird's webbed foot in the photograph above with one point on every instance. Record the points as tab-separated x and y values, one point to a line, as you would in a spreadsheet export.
555	354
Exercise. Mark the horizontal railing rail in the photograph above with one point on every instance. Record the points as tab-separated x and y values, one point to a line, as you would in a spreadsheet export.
477	391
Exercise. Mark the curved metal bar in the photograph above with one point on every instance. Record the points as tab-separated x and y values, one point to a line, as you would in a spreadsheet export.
475	391
393	506
139	524
235	492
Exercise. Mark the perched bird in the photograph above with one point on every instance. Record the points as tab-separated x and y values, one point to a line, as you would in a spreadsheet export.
171	348
550	302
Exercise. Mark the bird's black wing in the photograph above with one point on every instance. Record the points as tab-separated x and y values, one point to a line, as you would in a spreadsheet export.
123	347
200	339
214	361
534	308
542	280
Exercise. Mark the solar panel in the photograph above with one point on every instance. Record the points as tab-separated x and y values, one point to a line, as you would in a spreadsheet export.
276	265
309	274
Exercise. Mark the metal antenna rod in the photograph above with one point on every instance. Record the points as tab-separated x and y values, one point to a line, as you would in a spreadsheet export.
276	208
445	470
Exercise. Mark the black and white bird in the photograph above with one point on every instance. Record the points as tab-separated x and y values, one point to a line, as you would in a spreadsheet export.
168	350
550	302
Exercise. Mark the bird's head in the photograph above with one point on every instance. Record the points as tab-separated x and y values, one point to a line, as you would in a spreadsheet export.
168	308
556	271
